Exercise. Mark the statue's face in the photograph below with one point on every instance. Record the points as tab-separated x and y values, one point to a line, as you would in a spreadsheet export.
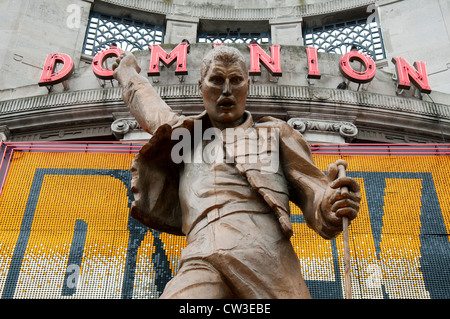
225	89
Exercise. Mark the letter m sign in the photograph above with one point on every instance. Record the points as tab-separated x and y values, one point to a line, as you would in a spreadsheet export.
179	54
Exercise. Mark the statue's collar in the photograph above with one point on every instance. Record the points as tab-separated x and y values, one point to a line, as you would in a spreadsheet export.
248	123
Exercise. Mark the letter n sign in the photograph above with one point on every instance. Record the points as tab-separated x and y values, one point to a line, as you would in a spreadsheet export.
272	63
417	74
158	54
313	66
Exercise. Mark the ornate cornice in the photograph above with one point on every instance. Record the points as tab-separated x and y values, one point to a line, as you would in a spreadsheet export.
277	93
368	111
53	100
229	13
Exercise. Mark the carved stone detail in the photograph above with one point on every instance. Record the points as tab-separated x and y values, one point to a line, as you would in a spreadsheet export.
280	92
348	130
371	110
345	129
4	133
120	127
224	12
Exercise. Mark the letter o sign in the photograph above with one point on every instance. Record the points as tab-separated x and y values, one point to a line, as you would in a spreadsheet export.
365	75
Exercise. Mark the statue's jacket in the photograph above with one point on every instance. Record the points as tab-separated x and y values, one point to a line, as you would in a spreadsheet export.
155	176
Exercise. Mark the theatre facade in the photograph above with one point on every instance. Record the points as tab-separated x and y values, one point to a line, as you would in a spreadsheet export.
367	81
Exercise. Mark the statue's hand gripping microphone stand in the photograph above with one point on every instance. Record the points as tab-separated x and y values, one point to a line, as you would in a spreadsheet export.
342	165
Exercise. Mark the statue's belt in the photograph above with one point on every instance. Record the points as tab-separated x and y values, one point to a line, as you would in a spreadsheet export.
216	214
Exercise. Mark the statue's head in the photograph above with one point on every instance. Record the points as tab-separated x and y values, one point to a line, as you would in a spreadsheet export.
224	84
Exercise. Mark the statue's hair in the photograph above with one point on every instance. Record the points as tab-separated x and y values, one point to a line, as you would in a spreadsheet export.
225	54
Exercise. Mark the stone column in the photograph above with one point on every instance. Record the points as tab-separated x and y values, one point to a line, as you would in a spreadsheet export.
286	31
179	28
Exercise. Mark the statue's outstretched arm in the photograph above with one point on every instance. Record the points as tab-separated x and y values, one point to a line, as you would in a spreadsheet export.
318	195
144	102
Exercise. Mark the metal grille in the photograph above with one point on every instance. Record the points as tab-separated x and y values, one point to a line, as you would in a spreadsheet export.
341	37
127	34
234	37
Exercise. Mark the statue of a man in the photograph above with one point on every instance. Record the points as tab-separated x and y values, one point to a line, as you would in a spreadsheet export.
234	210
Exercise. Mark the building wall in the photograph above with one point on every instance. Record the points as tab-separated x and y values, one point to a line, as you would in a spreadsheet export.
419	32
31	30
85	107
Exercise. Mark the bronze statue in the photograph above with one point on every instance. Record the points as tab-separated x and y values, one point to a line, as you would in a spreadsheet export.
232	201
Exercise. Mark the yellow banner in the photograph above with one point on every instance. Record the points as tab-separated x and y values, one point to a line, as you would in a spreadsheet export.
66	232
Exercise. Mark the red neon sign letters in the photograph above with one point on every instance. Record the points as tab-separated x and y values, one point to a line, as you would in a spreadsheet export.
406	73
363	76
49	76
272	62
417	75
178	54
100	58
313	64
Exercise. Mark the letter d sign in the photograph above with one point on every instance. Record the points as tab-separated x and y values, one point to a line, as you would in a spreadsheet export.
49	75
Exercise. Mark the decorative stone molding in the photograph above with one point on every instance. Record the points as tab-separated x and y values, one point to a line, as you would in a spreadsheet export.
371	110
383	135
345	129
85	97
4	133
123	126
61	134
238	14
279	92
348	131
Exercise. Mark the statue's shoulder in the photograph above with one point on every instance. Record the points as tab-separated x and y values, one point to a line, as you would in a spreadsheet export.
287	134
272	122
